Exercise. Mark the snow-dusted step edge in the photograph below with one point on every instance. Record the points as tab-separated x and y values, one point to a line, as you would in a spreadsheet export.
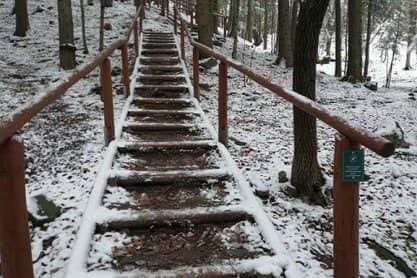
209	144
165	111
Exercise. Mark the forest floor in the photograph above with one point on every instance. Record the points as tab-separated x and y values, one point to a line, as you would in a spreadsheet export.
64	144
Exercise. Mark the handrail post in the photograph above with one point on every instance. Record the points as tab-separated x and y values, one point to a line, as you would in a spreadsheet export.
106	87
125	69
345	215
222	110
196	73
15	248
182	40
175	20
136	38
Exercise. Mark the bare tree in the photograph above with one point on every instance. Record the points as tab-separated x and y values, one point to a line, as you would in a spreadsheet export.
22	19
83	27
234	27
354	67
284	33
306	174
249	21
368	37
338	39
66	35
411	40
205	24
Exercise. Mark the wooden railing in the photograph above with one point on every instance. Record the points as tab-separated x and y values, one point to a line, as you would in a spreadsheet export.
349	137
15	249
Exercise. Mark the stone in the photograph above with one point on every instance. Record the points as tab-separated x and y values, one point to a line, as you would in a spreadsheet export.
371	85
282	177
107	26
45	211
208	63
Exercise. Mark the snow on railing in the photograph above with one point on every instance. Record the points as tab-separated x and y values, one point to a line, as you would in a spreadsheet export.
15	249
349	138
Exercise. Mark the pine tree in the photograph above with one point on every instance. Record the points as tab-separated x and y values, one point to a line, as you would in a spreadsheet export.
354	67
205	24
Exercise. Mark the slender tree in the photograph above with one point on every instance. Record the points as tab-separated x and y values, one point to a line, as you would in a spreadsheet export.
306	174
265	33
338	39
368	38
284	33
411	40
249	21
205	24
83	27
354	67
234	27
66	35
22	19
101	38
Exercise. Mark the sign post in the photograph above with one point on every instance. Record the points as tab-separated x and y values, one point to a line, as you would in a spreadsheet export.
347	173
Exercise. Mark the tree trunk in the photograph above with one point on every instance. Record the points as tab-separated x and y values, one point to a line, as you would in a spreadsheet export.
215	9
101	38
368	38
284	34
338	39
249	21
66	35
412	21
306	173
265	34
354	68
83	27
108	3
394	52
294	17
236	6
205	24
22	19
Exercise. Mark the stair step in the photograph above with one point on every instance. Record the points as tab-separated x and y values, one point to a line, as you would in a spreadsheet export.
164	118
176	195
169	159
159	45
142	112
162	103
132	178
158	126
134	147
161	70
152	79
160	60
167	135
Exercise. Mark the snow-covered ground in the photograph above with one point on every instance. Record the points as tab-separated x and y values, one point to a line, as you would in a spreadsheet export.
64	144
260	128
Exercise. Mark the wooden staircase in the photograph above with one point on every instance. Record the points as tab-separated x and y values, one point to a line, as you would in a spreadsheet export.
173	205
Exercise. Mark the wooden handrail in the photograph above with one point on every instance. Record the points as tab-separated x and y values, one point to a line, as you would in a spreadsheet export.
18	118
376	143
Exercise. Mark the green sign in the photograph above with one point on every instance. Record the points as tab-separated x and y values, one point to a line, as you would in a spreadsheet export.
353	166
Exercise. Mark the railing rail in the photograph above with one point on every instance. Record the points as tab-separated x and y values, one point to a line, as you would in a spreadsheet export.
15	249
349	137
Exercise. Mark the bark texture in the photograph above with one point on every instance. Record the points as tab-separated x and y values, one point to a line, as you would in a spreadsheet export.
306	173
205	24
284	33
22	19
338	38
66	35
354	68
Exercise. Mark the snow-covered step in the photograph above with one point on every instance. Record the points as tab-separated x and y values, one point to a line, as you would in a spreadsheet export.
162	103
158	126
141	112
166	51
159	60
113	219
158	77
170	118
158	45
161	70
131	147
131	178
